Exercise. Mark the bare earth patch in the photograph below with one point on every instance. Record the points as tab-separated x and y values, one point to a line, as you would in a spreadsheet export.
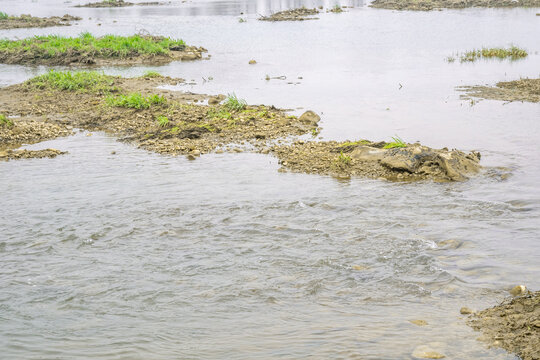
426	5
518	90
514	325
27	21
30	154
300	14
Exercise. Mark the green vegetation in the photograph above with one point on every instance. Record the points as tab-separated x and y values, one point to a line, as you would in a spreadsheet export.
336	9
215	114
397	143
135	101
5	121
90	81
234	104
108	46
514	53
162	121
344	159
207	127
3	16
152	74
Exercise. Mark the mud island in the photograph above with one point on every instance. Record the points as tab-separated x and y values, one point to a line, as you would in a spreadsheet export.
517	90
89	50
28	21
175	123
299	14
426	5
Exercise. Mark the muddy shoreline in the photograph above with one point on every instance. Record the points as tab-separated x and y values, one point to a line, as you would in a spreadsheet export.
427	5
518	90
28	21
513	325
176	123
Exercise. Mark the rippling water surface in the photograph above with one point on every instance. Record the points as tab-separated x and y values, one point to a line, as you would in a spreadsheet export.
142	256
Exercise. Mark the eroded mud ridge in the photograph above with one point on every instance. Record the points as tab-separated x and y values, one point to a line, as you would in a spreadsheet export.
89	50
514	325
107	3
426	5
30	154
518	90
28	21
369	159
292	15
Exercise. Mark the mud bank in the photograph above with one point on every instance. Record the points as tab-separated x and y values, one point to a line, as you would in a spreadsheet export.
117	3
514	325
31	129
426	5
30	154
36	52
300	14
518	90
369	159
28	21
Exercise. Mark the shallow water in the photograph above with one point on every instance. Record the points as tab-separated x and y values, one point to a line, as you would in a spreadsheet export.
137	255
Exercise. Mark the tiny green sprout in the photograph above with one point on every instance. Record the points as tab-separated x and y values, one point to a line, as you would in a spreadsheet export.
5	121
397	143
344	159
162	121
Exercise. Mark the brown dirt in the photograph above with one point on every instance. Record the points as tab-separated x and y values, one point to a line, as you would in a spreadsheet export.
369	159
300	14
518	90
426	5
27	21
31	129
30	154
37	56
514	325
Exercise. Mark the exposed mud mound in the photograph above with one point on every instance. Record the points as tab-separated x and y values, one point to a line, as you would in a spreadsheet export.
514	325
30	154
518	90
411	163
28	21
292	15
30	130
34	55
426	5
107	4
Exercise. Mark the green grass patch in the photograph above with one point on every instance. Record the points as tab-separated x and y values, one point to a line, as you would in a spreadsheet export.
219	114
109	46
233	103
86	81
135	100
3	16
5	121
152	74
513	53
344	159
163	121
397	143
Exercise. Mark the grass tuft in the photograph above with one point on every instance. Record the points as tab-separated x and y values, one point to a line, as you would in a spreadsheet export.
233	103
88	81
513	53
397	143
162	121
152	74
5	121
344	159
135	101
3	16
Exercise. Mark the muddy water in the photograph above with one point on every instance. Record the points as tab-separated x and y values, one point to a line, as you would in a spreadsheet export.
136	255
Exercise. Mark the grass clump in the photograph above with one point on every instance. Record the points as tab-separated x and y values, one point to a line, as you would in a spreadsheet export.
513	53
233	103
135	101
397	143
220	114
3	16
163	121
5	121
344	159
152	74
88	81
109	46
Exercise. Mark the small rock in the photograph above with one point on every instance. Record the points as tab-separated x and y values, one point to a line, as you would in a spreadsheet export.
113	152
309	117
418	322
465	311
518	290
238	150
252	62
191	157
425	352
359	267
219	151
214	101
196	153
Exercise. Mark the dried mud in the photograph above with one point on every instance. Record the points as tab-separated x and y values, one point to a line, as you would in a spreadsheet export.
36	56
300	14
28	21
369	159
514	325
518	90
427	5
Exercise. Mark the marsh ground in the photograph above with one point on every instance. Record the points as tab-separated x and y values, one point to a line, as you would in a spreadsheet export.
258	263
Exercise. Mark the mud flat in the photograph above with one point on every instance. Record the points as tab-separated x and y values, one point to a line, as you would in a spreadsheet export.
426	5
28	21
518	90
89	50
30	154
370	159
513	325
117	3
300	14
31	129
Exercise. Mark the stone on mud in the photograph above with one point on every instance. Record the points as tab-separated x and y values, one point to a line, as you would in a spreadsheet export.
309	118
